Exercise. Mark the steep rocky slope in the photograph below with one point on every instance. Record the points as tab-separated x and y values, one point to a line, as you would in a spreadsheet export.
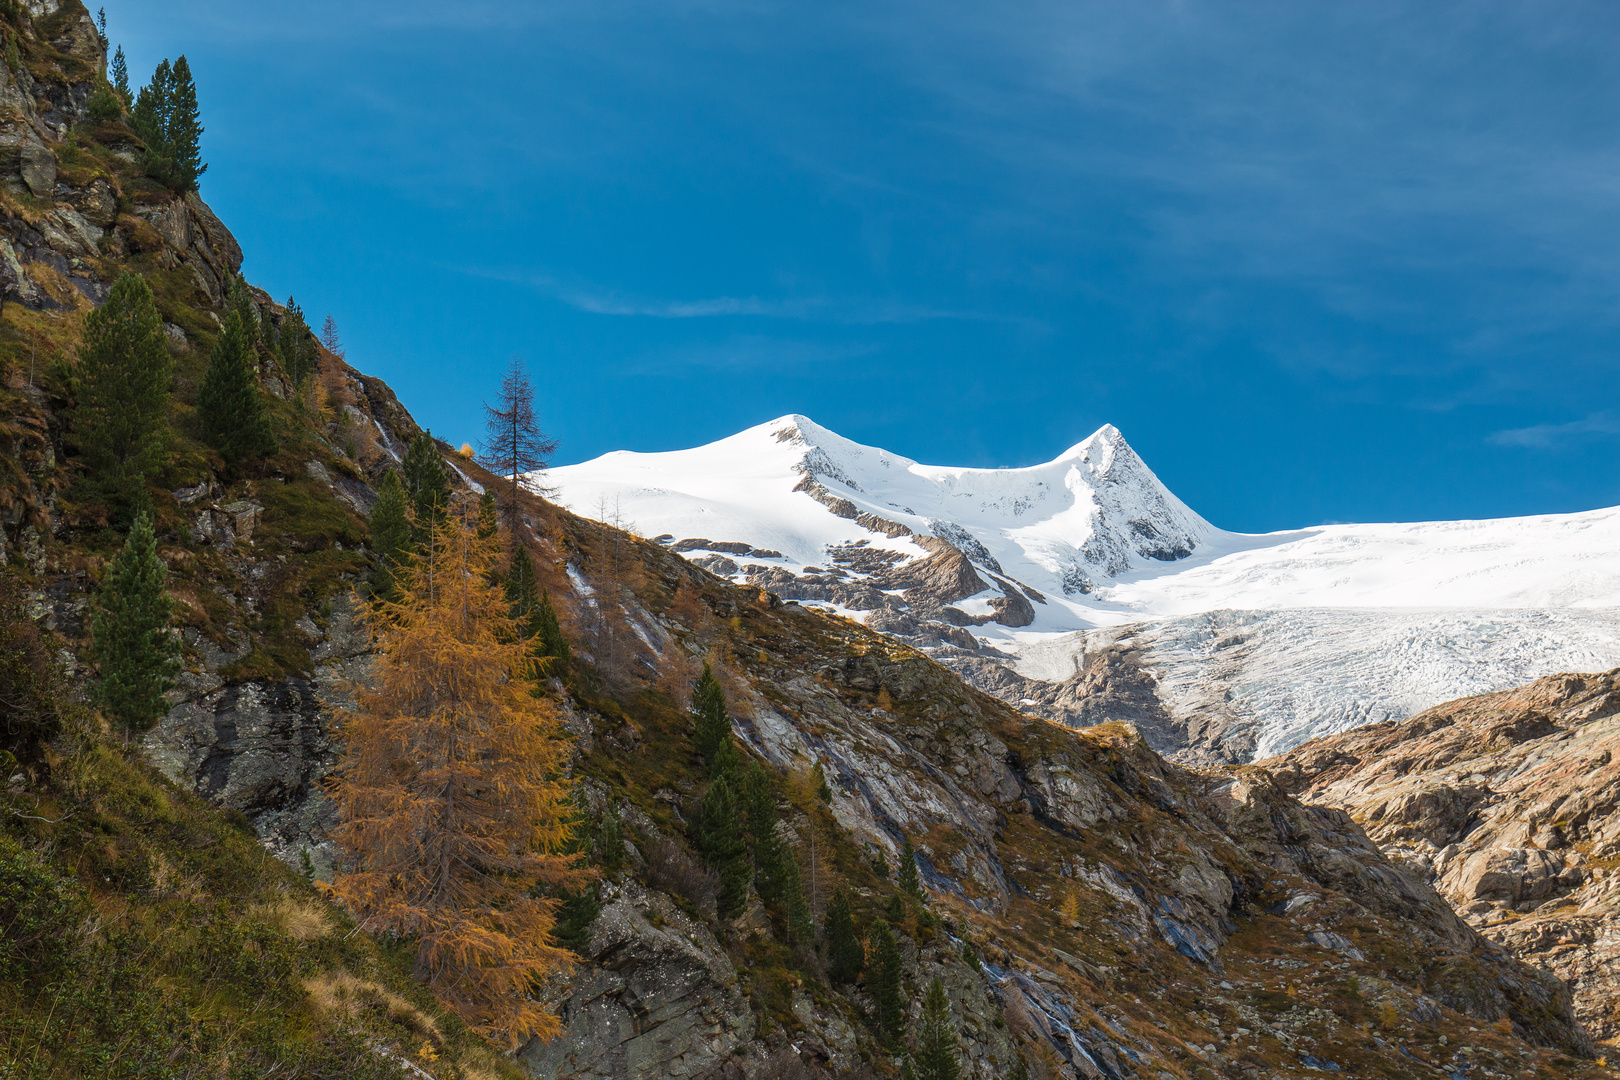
1128	917
1510	804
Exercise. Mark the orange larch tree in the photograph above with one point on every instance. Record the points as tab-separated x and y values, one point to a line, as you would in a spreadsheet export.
453	810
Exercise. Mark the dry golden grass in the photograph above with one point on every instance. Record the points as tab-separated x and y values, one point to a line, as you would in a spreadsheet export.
299	920
344	994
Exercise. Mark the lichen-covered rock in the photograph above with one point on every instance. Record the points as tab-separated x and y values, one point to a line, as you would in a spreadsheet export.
659	998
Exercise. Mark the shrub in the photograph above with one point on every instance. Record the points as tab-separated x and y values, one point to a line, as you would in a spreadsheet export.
671	869
28	706
39	909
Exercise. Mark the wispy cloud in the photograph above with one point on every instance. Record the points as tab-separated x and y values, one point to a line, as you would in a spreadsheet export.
750	353
832	309
1547	436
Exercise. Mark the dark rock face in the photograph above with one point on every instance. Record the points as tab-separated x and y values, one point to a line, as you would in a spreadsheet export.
263	748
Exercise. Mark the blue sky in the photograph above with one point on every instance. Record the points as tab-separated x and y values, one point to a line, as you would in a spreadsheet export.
1319	262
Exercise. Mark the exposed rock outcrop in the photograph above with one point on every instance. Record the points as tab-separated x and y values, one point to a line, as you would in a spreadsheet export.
1508	803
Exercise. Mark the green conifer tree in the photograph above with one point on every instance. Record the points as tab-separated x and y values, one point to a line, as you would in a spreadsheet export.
759	801
230	404
883	978
136	655
488	523
550	647
937	1044
910	883
120	77
104	105
166	119
907	1070
295	345
123	394
717	833
240	297
711	723
800	919
427	482
150	119
845	955
390	532
522	590
185	131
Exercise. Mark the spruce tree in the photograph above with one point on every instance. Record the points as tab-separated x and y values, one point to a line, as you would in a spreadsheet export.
137	657
295	345
240	297
166	119
800	919
937	1044
120	77
184	132
230	403
907	1070
427	482
549	644
522	591
759	802
711	724
883	984
717	833
123	394
390	533
910	883
488	524
845	955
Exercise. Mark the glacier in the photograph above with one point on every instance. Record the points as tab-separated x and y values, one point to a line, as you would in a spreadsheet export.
1026	579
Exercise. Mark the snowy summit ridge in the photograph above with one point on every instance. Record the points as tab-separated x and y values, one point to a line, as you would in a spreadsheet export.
1024	578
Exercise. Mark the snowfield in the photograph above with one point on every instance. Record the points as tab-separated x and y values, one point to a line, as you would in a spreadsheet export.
1292	634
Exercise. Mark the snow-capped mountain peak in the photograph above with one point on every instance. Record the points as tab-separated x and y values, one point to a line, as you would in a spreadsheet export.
800	490
1088	560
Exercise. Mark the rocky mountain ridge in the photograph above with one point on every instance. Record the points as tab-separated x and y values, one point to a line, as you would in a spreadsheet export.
1509	803
1083	588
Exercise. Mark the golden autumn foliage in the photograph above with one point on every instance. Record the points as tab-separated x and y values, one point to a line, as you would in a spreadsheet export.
453	809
